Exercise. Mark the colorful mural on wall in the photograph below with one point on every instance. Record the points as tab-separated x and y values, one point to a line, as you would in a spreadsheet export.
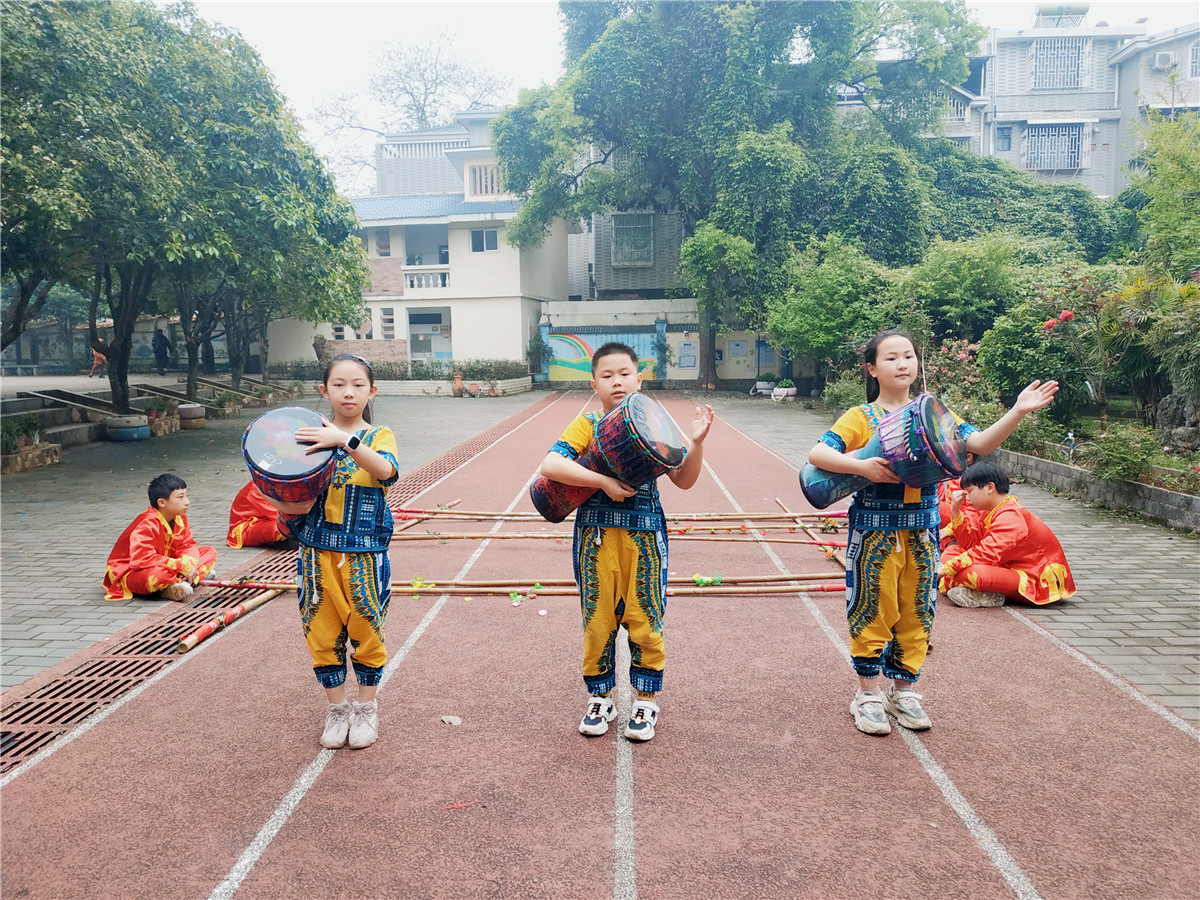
571	358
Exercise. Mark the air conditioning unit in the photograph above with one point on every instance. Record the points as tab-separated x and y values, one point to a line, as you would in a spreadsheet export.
1164	59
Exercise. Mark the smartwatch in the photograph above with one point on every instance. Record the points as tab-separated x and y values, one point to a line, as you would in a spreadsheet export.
353	442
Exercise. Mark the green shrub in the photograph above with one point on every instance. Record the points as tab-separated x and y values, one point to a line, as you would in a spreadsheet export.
1125	452
845	391
785	383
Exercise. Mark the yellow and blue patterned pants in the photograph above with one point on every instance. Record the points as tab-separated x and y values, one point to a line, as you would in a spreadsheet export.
891	592
622	578
344	596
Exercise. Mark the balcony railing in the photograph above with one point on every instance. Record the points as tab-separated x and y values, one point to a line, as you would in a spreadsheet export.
427	276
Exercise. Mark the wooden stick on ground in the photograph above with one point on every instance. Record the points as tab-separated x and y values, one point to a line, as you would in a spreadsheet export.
224	618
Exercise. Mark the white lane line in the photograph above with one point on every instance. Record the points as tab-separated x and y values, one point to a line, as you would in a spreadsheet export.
624	862
984	836
1115	680
73	735
258	846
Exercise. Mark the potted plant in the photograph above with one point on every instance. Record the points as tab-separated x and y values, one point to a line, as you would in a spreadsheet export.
19	432
539	355
784	387
765	383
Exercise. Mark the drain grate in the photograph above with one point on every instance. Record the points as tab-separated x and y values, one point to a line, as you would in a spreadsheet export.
35	721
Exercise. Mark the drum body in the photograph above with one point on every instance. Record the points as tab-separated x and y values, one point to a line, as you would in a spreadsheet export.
280	465
636	441
919	440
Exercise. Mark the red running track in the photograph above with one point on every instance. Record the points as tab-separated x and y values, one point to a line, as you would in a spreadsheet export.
1040	778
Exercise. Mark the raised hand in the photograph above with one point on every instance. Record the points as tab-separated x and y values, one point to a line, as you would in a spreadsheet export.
701	424
1035	396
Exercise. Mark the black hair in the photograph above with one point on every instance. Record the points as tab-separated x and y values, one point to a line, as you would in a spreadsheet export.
162	487
871	352
343	357
981	474
613	348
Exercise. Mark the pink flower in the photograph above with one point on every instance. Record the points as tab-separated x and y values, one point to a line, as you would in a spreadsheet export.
1066	316
1048	324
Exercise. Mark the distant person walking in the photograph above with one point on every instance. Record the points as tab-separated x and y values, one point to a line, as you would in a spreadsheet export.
162	350
99	364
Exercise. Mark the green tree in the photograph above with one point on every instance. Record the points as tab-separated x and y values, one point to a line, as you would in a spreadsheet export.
832	285
1169	178
965	284
718	268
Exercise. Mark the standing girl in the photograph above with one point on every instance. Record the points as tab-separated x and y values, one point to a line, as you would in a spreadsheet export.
344	535
892	552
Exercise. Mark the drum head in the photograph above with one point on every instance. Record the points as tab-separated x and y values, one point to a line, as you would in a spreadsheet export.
941	432
270	444
653	428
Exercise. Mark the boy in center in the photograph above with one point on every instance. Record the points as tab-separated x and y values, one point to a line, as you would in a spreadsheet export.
621	570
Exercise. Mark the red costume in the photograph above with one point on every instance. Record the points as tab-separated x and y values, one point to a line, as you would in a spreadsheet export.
253	520
152	554
945	490
1009	550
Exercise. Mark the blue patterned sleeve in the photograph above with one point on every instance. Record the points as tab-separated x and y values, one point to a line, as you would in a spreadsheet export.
564	449
834	440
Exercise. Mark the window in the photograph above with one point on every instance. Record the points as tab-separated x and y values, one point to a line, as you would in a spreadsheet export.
484	240
383	241
339	332
964	142
387	322
633	239
485	179
1057	64
1054	147
362	239
1194	64
1004	139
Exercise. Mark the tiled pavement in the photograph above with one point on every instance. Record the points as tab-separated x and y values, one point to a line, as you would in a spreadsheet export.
1137	612
58	524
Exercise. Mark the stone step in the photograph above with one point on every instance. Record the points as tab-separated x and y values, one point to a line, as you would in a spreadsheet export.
75	434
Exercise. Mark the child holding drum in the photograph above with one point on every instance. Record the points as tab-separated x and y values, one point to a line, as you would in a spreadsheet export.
344	534
892	550
620	551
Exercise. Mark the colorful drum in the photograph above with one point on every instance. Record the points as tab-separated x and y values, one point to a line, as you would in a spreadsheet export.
919	440
280	465
636	441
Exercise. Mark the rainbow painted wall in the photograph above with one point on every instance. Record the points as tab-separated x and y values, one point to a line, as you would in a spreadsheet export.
571	358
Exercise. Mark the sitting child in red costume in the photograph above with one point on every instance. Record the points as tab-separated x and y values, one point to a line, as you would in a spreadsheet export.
255	522
1004	551
157	554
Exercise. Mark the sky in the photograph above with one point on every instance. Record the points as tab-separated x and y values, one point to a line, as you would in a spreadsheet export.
320	48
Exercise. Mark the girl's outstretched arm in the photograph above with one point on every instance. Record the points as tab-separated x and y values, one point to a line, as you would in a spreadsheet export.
1035	396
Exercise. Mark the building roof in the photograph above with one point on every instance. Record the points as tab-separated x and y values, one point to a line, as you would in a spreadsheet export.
431	206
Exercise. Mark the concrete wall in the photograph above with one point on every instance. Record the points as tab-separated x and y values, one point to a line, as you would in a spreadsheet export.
1176	510
544	269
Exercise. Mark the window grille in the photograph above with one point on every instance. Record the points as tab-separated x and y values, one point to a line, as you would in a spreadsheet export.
383	241
964	142
1194	65
1050	147
633	239
387	323
420	150
956	109
339	332
485	180
1060	63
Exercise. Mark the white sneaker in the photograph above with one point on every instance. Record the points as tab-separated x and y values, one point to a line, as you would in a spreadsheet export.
177	592
640	726
906	707
869	714
364	726
965	596
337	725
600	711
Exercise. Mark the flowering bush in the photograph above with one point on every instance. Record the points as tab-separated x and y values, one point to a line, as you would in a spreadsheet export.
1125	452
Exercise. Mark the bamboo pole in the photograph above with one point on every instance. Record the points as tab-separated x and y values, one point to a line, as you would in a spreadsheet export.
838	554
737	536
